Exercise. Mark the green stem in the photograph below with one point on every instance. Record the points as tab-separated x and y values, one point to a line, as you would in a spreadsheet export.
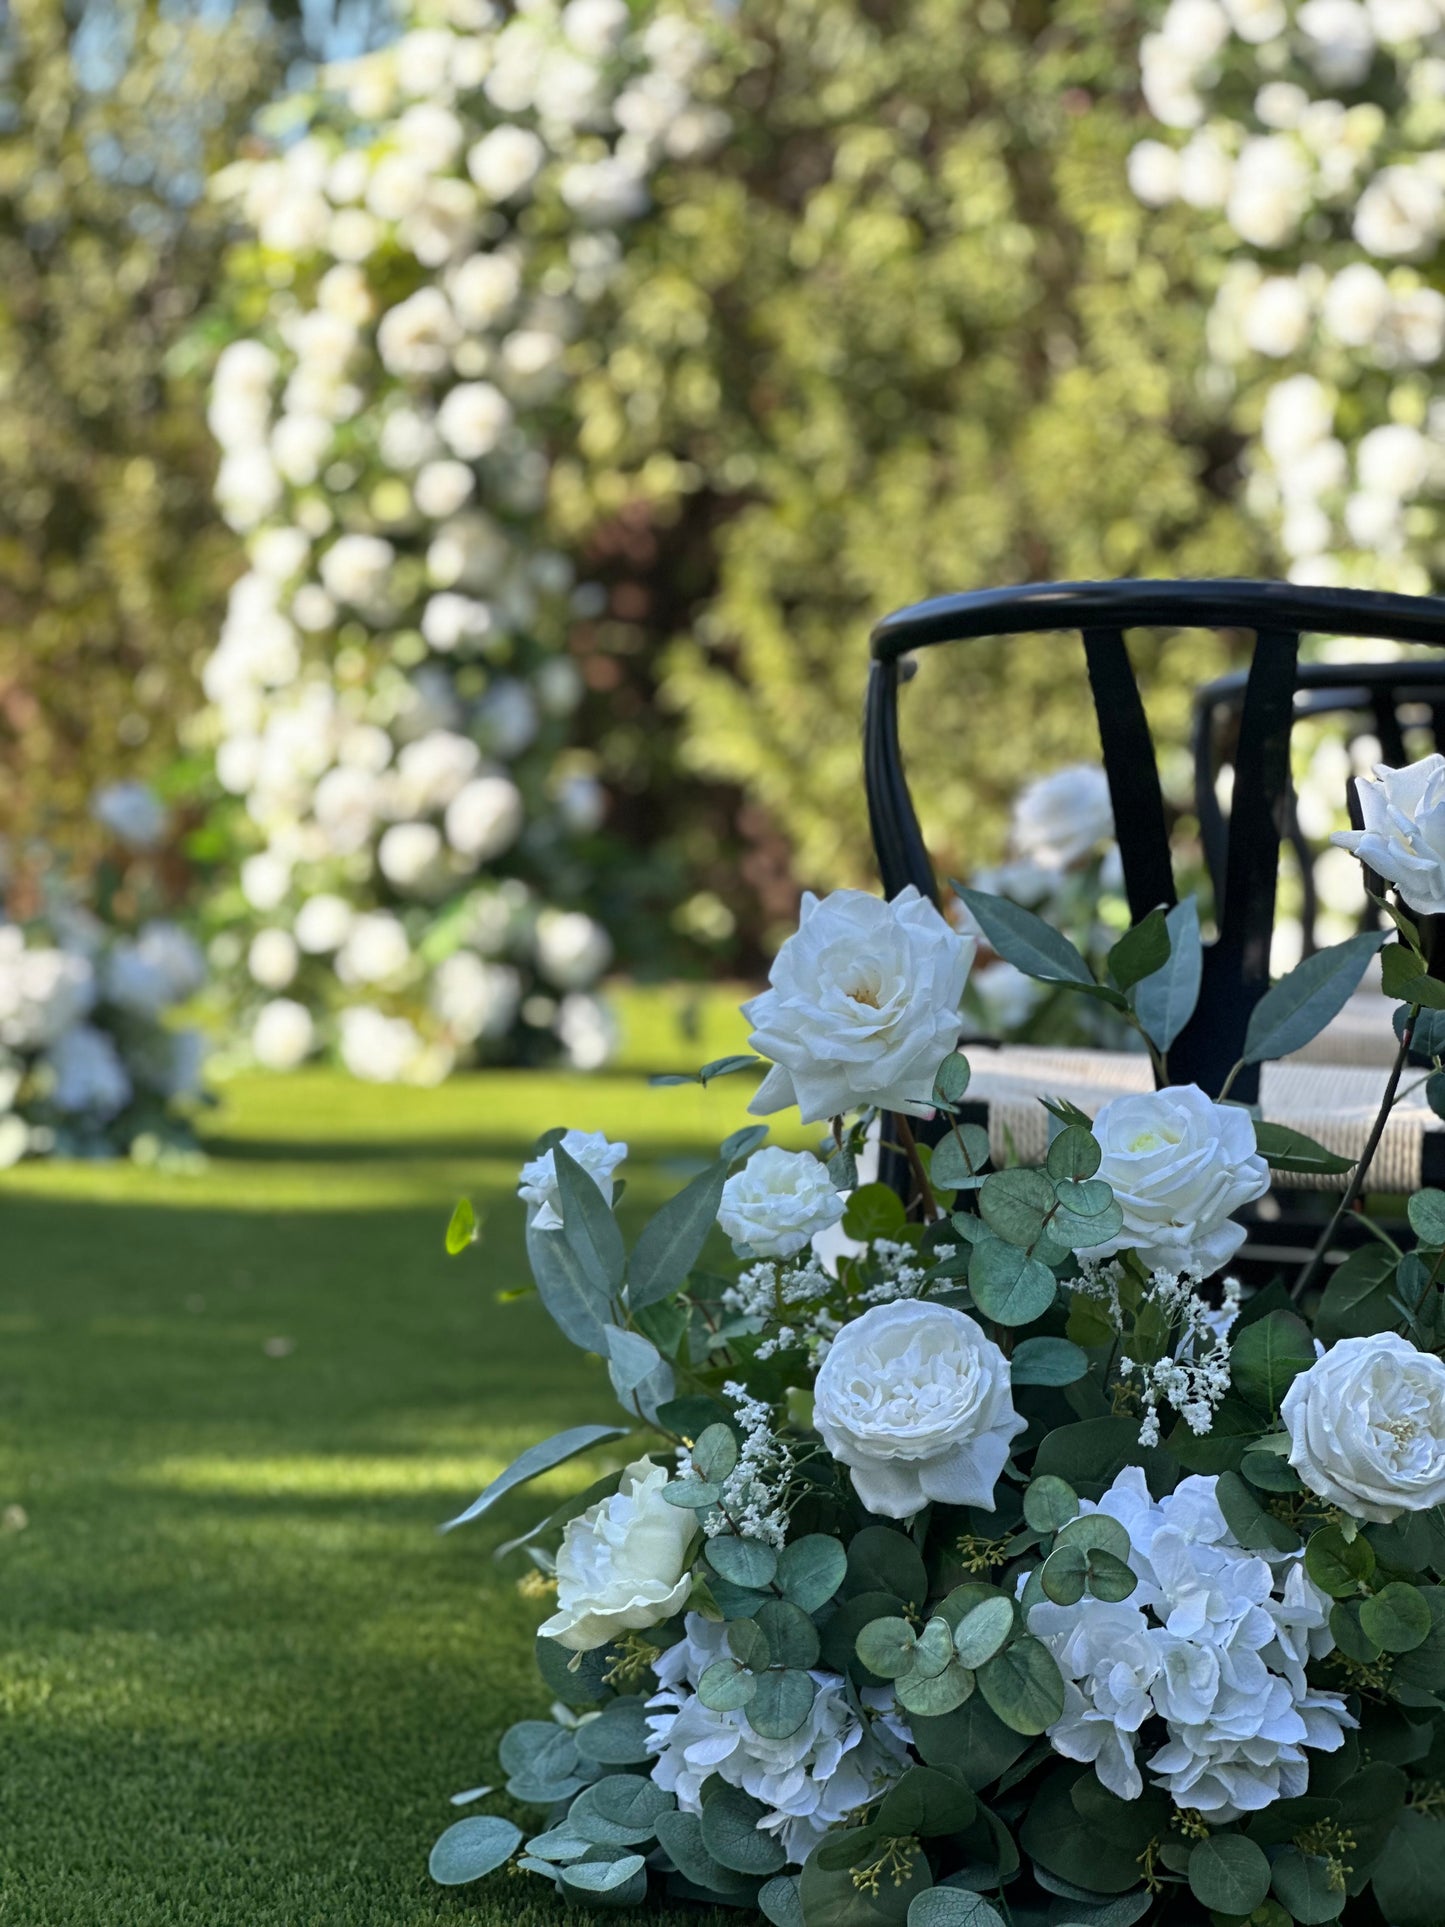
909	1146
1357	1181
1229	1081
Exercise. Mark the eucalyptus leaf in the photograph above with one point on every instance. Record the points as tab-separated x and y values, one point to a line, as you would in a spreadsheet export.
1229	1874
1025	940
732	1833
574	1300
981	1633
1047	1361
1299	1006
1007	1285
1016	1204
631	1360
534	1461
588	1224
725	1686
959	1158
746	1562
671	1243
935	1694
1023	1686
1074	1153
1165	1001
473	1848
811	1569
1140	952
781	1704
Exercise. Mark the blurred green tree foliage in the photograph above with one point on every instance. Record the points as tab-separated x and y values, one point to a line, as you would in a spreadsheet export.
907	334
113	564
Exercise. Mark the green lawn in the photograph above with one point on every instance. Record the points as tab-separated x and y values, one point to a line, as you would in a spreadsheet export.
241	1671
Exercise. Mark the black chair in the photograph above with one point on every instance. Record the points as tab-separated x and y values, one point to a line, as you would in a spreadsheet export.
1379	699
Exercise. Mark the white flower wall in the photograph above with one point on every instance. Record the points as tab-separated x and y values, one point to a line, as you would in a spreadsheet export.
1309	140
391	700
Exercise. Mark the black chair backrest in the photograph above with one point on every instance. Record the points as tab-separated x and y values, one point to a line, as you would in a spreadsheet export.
1378	699
1236	964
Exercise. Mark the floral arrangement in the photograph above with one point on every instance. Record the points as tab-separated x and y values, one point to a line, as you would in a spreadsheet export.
1013	1563
1311	143
91	1062
417	837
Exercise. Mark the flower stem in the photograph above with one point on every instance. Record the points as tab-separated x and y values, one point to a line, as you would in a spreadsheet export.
909	1146
1357	1181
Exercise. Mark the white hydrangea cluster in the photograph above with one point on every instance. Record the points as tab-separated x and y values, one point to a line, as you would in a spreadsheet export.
840	1759
390	696
91	1062
1328	319
1214	1642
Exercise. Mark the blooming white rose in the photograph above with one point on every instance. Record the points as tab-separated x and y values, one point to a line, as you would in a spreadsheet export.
409	855
1269	191
1367	1427
916	1400
572	950
863	1006
474	998
1403	840
484	289
1178	1165
382	1049
1356	304
586	1029
283	1034
623	1564
132	812
537	1182
375	949
1401	213
484	817
1153	173
506	161
272	959
1061	817
778	1203
323	923
473	419
357	569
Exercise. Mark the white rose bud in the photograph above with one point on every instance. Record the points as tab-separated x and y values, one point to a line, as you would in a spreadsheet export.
537	1185
778	1203
1404	835
863	1006
1178	1165
624	1564
1062	817
1367	1427
916	1400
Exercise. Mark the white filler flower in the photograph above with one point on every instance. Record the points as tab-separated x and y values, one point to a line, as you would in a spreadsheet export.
623	1564
1179	1164
1404	835
915	1399
835	1763
537	1187
1062	817
1367	1427
863	1006
778	1203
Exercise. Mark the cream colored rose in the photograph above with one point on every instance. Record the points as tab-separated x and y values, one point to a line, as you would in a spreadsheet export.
1367	1427
624	1563
1404	835
917	1401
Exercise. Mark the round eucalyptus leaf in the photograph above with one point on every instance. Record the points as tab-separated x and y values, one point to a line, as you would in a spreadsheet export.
715	1453
926	1803
811	1569
691	1495
1107	1577
1064	1575
473	1848
603	1876
792	1638
1016	1204
1049	1502
748	1643
781	1704
1397	1618
1426	1212
1229	1874
1349	1633
780	1901
1048	1361
1096	1529
885	1647
556	1844
1023	1685
980	1635
1302	1883
1336	1564
732	1833
951	1081
1007	1285
620	1811
933	1649
1075	1153
746	1562
725	1686
933	1695
539	1750
952	1907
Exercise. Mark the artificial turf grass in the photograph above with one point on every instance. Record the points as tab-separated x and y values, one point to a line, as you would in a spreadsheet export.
239	1669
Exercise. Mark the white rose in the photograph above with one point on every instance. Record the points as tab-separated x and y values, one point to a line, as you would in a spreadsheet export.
1206	172
572	949
1400	213
1357	303
778	1203
442	488
1278	316
587	1030
473	419
272	959
1393	459
375	950
863	1006
484	817
1298	413
506	161
1340	40
381	1049
474	998
624	1564
1367	1427
484	289
915	1399
357	569
537	1182
1403	840
1153	173
283	1034
409	856
132	812
1269	192
323	923
1178	1164
1061	817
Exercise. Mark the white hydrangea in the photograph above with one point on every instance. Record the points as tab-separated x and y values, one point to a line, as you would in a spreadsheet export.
1214	1640
840	1759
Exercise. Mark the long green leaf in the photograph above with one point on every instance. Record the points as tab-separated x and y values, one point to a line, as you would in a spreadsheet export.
672	1242
1164	1002
1025	940
1140	952
577	1304
537	1459
588	1224
1301	1004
